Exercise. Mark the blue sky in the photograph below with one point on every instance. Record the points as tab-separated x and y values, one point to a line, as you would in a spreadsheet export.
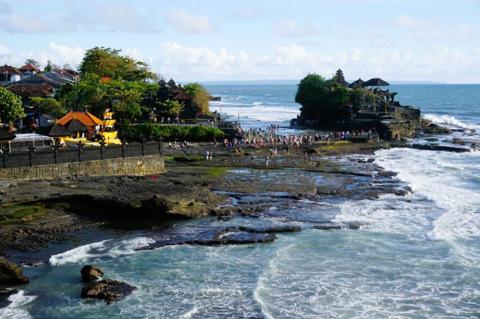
249	40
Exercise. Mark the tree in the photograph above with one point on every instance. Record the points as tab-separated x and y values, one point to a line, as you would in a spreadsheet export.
201	98
33	62
323	102
171	108
107	62
49	67
125	100
48	106
11	108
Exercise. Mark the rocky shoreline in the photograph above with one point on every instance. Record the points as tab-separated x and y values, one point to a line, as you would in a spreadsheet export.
39	214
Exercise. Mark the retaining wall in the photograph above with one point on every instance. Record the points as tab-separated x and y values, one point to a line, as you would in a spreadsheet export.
131	166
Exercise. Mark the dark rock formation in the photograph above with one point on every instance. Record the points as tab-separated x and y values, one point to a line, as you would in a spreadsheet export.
433	147
11	274
266	230
91	273
108	290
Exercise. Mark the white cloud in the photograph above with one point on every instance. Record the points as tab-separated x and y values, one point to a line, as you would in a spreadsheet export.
73	18
185	22
3	51
424	29
57	53
294	61
290	29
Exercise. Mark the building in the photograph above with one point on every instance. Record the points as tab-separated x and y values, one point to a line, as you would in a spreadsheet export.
40	84
28	70
77	125
9	75
85	127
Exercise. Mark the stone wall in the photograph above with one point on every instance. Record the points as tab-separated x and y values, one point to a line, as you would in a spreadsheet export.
131	166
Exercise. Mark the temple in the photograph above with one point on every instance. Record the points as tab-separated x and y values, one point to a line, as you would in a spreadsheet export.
84	127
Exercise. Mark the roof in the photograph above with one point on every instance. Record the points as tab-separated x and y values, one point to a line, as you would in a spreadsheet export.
7	69
59	130
86	118
29	67
376	82
31	89
39	78
357	84
30	137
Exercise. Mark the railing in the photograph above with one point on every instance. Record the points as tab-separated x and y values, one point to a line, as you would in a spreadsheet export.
77	153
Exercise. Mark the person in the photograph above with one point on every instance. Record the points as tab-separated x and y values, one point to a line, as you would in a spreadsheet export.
207	155
211	156
267	161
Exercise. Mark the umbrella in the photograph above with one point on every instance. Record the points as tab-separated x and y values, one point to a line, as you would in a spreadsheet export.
357	84
376	82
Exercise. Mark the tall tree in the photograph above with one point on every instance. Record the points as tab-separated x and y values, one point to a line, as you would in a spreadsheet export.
201	98
107	62
11	108
323	102
33	62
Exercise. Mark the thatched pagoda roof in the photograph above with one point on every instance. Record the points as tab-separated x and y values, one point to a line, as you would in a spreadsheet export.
376	82
357	84
86	118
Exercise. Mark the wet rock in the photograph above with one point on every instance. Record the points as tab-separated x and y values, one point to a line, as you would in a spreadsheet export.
108	290
11	274
267	230
432	147
91	273
353	226
458	141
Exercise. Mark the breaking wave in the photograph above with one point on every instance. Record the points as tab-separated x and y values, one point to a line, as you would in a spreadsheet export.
102	249
450	121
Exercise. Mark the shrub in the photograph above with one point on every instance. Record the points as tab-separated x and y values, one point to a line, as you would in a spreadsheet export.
169	132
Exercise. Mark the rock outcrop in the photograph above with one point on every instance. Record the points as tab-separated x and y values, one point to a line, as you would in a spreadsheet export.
11	274
91	273
108	289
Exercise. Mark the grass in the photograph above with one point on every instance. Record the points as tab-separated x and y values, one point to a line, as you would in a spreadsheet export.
19	213
217	171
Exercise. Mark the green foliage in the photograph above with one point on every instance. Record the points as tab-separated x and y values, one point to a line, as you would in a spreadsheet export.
107	62
125	99
49	106
33	62
201	97
11	108
323	102
171	108
96	94
170	132
49	67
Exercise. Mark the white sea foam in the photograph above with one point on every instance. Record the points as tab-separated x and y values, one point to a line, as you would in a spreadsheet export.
451	121
105	248
258	111
450	208
191	313
16	308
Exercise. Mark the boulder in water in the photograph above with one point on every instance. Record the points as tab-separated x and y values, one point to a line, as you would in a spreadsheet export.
108	289
11	274
91	273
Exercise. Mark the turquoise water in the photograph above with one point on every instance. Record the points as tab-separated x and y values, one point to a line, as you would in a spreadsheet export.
417	256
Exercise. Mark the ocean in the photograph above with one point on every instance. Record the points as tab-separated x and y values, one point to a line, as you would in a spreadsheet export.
417	256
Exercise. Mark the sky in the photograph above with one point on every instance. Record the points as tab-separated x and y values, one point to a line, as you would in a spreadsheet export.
221	40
